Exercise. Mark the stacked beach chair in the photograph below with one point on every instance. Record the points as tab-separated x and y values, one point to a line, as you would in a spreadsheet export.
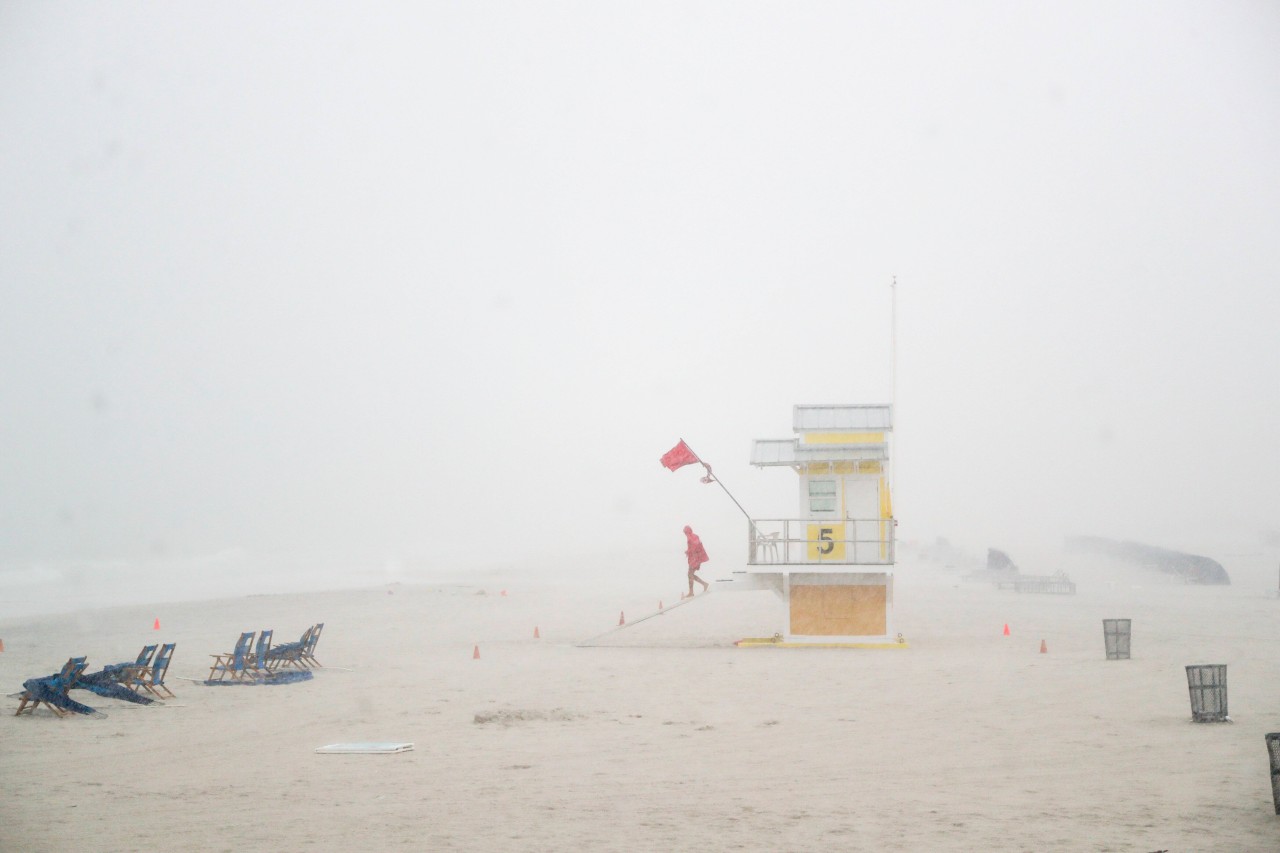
300	654
264	663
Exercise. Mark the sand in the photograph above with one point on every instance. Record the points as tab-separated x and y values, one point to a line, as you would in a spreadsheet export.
667	737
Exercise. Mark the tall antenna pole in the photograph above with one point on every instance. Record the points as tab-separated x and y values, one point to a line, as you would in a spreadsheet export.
893	360
893	341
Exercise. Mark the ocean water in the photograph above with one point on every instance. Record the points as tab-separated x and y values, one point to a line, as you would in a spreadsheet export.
35	588
59	586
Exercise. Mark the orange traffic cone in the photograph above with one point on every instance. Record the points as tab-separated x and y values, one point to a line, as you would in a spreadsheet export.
1006	629
622	620
475	655
536	635
1	645
1044	650
156	627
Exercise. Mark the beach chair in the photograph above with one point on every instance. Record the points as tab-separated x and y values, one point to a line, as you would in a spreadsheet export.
289	654
151	679
308	656
51	691
232	663
132	675
256	665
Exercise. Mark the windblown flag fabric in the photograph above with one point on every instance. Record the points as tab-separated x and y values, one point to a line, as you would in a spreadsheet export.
679	456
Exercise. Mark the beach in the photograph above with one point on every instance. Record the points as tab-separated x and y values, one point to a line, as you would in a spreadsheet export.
663	734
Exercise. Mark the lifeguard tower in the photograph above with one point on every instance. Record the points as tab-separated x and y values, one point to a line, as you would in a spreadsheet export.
833	563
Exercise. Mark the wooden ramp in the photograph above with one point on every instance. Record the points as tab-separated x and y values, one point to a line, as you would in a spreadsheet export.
681	603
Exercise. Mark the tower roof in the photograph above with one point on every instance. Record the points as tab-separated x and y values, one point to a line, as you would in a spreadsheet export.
877	417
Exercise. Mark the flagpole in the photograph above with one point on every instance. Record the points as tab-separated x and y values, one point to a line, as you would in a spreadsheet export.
714	479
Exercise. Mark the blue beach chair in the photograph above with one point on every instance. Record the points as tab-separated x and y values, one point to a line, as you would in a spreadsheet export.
232	663
132	675
290	654
257	665
308	655
152	678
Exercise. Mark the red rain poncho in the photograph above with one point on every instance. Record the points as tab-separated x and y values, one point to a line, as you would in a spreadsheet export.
695	552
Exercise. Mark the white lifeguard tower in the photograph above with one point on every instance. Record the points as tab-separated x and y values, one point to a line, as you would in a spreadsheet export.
833	563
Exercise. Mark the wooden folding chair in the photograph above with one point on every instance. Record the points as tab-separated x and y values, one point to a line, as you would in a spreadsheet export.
289	654
152	680
232	663
256	665
132	676
308	656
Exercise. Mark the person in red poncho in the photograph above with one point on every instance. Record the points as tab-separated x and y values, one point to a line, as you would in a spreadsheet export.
697	556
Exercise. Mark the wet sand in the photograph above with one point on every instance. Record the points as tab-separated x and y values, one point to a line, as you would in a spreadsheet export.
665	736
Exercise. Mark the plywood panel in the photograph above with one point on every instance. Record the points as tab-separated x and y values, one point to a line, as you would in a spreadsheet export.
838	611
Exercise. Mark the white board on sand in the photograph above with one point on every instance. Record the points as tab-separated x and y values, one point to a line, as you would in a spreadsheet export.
365	748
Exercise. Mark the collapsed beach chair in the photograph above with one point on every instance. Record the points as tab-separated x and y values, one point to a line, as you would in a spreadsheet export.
151	678
51	691
232	663
106	682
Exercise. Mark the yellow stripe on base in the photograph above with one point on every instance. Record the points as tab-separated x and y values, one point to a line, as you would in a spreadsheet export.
770	642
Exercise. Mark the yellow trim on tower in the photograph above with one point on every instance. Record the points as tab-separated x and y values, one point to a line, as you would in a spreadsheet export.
842	438
865	466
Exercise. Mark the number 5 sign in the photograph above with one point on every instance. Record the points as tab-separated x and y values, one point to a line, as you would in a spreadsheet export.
826	542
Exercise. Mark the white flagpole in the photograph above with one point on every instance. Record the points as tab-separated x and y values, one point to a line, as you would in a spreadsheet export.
712	478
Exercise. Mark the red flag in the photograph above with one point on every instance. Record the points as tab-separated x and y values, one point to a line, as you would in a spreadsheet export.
679	456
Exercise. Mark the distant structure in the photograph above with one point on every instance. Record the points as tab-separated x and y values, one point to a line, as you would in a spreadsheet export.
1000	566
1005	574
998	561
1191	568
832	563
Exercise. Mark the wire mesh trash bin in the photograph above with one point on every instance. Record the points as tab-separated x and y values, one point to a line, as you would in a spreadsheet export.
1116	634
1273	749
1208	686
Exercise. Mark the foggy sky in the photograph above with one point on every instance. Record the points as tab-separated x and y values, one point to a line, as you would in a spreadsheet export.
443	281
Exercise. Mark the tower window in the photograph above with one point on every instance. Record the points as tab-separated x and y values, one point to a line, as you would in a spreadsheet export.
822	496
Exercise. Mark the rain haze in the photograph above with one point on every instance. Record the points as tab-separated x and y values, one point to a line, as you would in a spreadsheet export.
328	291
369	323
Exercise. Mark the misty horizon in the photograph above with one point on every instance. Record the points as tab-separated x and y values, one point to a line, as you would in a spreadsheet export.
441	284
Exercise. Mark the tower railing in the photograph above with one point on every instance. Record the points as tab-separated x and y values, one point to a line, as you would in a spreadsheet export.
820	542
